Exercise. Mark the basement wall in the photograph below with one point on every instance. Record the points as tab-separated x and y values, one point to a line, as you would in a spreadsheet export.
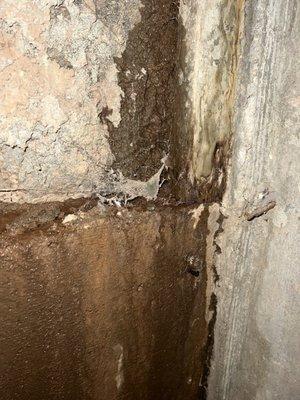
127	270
103	279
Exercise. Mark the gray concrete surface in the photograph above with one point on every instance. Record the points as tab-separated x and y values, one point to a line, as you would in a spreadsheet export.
257	352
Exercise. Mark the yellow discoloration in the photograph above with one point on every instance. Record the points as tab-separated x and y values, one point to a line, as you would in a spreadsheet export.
212	33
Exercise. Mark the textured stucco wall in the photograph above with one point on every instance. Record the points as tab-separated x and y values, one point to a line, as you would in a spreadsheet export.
57	74
256	351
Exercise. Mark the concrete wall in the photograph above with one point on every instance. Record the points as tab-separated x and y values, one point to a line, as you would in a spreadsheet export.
73	89
256	346
90	99
134	99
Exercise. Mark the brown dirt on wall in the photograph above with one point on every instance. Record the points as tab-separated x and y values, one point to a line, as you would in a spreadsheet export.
17	218
148	78
76	296
153	114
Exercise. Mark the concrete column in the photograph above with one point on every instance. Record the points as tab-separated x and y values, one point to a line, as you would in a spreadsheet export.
256	346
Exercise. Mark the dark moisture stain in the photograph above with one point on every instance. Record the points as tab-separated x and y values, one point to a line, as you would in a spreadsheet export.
147	76
153	112
191	334
181	141
208	351
75	299
42	322
209	347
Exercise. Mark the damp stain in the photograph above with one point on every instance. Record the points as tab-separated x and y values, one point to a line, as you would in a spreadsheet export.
148	79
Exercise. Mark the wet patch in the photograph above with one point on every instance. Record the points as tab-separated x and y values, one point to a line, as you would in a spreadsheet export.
104	309
148	79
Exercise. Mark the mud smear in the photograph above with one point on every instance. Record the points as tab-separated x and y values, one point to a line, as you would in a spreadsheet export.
73	295
147	76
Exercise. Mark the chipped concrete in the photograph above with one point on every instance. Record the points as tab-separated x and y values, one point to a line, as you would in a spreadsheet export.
196	214
69	218
57	73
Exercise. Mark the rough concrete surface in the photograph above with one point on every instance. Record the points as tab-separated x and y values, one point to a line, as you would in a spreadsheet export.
90	101
257	352
57	72
207	59
209	69
106	304
122	99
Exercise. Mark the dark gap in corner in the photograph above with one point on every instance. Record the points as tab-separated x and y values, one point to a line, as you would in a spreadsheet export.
209	347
